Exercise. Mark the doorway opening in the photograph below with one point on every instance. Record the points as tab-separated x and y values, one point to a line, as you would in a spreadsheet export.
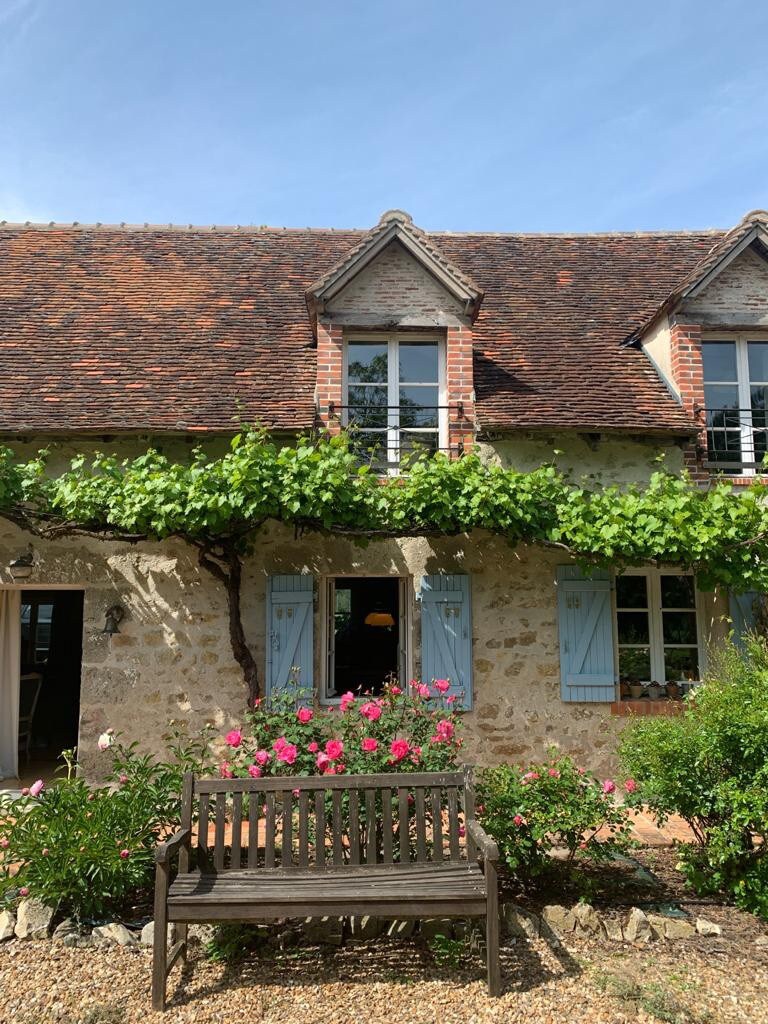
365	634
50	669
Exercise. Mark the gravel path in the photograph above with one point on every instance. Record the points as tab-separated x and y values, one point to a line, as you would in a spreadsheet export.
380	982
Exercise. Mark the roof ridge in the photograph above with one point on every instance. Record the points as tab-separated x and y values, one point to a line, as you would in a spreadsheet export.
264	228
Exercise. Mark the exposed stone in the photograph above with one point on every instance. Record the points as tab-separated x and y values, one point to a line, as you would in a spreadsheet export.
113	934
33	920
401	929
324	931
678	928
587	919
708	928
202	933
658	925
637	928
66	927
431	927
613	929
519	923
77	940
7	925
762	941
147	936
365	927
560	919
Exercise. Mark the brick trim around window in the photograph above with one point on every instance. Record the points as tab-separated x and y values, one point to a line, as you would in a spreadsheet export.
688	375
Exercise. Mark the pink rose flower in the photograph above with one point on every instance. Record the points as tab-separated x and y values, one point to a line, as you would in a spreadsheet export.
233	738
4	843
225	771
123	779
254	771
334	749
261	757
24	891
371	711
395	691
256	701
399	749
304	715
287	753
313	747
450	699
347	700
444	729
105	741
462	831
518	820
340	768
554	773
369	744
279	743
125	854
630	785
25	791
423	690
442	685
609	786
91	797
45	851
323	763
529	777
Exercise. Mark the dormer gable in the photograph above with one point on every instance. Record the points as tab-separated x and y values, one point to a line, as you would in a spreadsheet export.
395	276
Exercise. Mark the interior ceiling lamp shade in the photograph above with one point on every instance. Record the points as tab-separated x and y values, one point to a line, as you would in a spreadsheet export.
379	618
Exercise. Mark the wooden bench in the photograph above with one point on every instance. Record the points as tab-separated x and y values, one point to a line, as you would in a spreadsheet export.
391	846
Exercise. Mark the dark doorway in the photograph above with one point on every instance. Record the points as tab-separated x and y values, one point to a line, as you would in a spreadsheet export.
365	626
51	659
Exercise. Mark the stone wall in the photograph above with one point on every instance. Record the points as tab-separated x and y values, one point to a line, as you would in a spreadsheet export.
741	288
172	660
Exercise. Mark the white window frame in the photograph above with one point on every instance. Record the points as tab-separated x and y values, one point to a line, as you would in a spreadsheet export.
743	391
326	609
656	643
392	340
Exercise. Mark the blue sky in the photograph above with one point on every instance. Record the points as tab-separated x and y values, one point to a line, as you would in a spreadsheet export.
496	116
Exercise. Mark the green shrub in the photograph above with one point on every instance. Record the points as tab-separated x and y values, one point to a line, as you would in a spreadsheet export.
530	810
710	766
88	851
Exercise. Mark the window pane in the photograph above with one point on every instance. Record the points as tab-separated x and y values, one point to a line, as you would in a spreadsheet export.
678	592
367	405
633	627
682	663
679	627
418	407
632	592
634	664
371	448
417	443
721	396
758	395
719	360
418	363
758	361
367	362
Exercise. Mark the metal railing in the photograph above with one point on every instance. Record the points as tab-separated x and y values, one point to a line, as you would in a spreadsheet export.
737	439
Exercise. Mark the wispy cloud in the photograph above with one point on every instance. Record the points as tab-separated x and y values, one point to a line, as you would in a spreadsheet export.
16	19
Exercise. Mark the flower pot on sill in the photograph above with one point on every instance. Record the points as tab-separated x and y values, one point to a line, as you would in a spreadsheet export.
654	691
636	690
673	691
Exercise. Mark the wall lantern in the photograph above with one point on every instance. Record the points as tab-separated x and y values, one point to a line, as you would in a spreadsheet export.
22	567
113	616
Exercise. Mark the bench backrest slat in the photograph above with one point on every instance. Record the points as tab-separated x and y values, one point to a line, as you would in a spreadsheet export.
319	822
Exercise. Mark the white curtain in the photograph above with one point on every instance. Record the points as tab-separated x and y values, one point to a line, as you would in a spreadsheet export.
10	653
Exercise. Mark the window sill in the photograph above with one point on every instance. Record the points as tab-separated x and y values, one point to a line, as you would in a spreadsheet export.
646	707
741	481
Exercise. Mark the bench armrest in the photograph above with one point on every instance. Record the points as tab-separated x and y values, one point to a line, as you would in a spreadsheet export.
164	851
485	844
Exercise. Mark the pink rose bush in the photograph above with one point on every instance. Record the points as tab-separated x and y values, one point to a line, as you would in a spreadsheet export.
413	728
529	810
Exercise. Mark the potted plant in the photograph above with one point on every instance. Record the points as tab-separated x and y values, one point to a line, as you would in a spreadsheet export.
654	690
636	690
673	690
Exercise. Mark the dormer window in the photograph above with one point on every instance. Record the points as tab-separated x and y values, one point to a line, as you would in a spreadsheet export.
735	389
395	396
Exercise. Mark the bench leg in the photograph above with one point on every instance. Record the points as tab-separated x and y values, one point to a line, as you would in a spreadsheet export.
492	930
160	939
182	932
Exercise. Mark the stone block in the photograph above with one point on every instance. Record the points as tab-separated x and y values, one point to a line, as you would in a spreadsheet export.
613	929
519	923
638	927
113	934
7	925
678	928
431	927
33	920
365	927
587	919
147	936
561	920
708	928
401	929
324	931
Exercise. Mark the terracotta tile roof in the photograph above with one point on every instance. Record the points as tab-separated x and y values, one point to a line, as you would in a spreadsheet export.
119	329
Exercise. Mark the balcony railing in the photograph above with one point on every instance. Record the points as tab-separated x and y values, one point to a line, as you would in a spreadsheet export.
386	436
737	440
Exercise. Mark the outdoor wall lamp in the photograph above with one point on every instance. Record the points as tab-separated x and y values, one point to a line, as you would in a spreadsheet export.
22	567
113	616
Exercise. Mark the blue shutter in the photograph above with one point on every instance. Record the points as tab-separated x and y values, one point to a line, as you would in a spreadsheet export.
290	651
585	626
742	614
446	633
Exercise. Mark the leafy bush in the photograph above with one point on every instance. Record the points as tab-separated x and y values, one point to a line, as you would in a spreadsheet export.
710	765
403	730
531	810
87	851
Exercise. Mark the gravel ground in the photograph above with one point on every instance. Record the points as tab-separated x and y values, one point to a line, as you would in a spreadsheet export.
702	980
